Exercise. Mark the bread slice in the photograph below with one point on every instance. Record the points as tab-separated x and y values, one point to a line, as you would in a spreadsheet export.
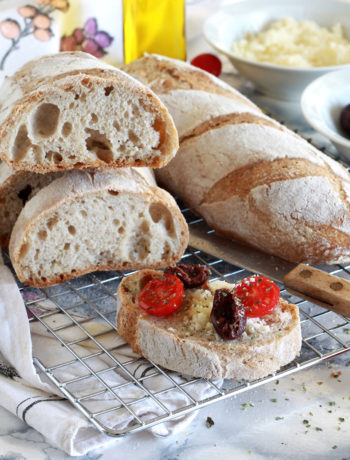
16	188
87	221
185	341
71	110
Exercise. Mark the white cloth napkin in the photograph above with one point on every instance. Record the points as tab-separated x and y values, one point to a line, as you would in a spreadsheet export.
30	395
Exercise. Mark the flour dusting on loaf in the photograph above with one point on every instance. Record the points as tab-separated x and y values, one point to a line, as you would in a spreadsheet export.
249	177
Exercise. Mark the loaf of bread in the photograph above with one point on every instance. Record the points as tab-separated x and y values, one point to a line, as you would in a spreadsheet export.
71	110
87	221
249	177
17	187
186	341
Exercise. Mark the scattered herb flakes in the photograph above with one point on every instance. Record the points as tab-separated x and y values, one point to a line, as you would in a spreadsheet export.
279	418
304	387
347	364
329	411
209	422
338	428
317	428
334	447
310	413
341	419
331	403
319	383
305	422
346	330
249	452
274	400
277	382
246	405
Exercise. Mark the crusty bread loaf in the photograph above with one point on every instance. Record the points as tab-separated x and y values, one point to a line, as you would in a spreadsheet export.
186	341
16	188
87	221
71	110
248	176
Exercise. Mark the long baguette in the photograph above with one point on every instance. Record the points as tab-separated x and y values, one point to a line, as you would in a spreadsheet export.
249	177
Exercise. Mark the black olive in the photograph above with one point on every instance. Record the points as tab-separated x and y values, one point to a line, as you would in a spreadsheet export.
345	119
192	275
228	317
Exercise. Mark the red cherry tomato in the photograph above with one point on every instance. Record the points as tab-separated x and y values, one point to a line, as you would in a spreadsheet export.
162	296
258	294
208	62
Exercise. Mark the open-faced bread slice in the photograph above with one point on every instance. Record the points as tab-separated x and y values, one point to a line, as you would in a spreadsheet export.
87	221
186	341
71	110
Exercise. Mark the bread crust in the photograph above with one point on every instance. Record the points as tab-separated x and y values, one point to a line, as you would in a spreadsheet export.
160	340
66	191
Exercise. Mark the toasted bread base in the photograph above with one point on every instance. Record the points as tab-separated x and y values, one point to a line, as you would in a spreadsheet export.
161	340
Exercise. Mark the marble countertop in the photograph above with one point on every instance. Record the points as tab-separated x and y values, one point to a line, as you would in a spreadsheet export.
305	415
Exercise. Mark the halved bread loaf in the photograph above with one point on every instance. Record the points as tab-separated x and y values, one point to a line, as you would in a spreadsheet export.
186	341
16	188
87	221
248	176
71	110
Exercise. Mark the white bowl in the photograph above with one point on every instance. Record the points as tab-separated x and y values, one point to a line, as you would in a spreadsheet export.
321	104
231	23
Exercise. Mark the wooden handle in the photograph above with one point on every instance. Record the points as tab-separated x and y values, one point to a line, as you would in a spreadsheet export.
321	285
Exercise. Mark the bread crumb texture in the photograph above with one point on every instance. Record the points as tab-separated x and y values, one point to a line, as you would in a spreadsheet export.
94	229
72	111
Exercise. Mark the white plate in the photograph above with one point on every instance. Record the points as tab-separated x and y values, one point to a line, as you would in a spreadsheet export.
321	104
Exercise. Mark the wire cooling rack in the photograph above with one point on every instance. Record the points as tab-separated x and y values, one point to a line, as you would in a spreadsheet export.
122	393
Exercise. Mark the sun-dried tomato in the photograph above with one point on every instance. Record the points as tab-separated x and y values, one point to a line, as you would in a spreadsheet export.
228	317
192	275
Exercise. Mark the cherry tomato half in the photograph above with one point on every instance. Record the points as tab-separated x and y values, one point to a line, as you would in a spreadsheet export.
258	294
208	62
162	296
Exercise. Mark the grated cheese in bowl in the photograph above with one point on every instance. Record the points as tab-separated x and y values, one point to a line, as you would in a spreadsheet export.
292	43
